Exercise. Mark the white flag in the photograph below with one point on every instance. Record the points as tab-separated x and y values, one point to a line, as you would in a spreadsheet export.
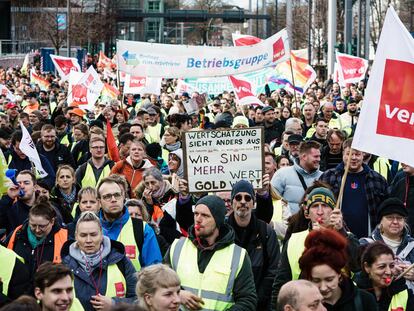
28	147
386	123
6	92
142	85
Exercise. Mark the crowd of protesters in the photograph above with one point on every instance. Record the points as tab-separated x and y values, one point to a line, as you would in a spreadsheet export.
98	234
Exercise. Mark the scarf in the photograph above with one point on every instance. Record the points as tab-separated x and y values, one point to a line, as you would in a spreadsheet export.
88	262
113	229
173	147
165	186
69	198
34	240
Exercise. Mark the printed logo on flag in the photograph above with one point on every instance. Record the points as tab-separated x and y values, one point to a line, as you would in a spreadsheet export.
242	88
137	81
278	49
66	65
396	112
79	95
352	67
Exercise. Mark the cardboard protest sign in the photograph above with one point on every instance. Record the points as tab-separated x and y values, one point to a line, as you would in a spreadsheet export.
216	160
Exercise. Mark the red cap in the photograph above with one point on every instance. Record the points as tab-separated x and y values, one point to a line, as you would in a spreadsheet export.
10	105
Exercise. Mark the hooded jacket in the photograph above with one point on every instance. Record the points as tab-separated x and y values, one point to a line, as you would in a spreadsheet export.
133	175
83	284
244	292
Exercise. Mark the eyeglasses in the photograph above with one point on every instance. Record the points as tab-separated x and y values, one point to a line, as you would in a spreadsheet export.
108	197
392	218
40	227
240	197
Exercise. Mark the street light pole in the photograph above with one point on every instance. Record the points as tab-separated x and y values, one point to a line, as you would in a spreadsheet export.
67	26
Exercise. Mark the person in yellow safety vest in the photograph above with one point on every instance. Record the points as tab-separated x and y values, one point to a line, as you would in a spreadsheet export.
377	276
137	130
158	288
215	273
64	135
80	145
97	167
318	212
54	288
138	237
144	119
39	239
327	113
104	275
14	276
379	165
154	129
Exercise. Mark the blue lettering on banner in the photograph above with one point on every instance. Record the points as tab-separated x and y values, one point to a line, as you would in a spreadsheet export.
229	63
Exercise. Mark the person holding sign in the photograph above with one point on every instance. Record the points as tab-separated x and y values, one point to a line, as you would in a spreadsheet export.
319	209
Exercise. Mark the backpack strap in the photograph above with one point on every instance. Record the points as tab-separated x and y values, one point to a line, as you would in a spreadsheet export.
121	266
302	180
407	249
138	227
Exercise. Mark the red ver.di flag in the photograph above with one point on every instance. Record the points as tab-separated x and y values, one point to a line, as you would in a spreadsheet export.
351	69
386	123
243	90
64	65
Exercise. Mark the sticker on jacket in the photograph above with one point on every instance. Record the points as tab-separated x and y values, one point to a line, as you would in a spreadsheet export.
130	251
120	289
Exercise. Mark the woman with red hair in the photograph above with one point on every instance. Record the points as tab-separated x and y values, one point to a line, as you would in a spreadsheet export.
323	262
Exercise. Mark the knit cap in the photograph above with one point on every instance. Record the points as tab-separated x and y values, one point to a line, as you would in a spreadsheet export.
242	186
392	206
216	206
323	195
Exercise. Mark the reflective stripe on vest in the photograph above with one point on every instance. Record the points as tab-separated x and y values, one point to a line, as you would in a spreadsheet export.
59	239
73	213
115	282
8	260
295	248
399	301
215	285
89	180
127	237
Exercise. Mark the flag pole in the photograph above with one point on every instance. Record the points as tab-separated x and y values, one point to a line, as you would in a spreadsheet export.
293	78
118	79
343	181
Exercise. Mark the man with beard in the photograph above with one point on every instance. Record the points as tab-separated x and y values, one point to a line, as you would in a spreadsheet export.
215	273
139	239
258	238
349	119
55	152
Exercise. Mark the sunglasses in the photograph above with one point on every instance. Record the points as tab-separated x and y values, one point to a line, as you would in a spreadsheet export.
240	197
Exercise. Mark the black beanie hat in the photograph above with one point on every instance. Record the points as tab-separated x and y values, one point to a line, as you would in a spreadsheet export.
391	206
216	206
242	186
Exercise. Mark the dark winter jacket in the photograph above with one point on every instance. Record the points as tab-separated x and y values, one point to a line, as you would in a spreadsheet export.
12	213
33	258
362	280
349	299
83	284
402	187
19	282
24	164
375	188
284	272
58	156
64	208
261	243
273	131
244	292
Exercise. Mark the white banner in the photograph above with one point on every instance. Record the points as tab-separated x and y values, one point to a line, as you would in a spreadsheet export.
216	160
6	92
27	146
386	123
180	61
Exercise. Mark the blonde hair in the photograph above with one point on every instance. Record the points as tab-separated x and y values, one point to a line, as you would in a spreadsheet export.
64	167
152	278
88	216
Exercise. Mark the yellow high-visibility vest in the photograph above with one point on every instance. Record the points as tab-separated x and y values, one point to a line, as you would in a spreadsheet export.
127	237
296	246
215	285
89	180
399	301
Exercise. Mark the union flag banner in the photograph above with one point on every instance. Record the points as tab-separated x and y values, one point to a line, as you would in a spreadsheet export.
351	69
386	122
64	65
244	91
104	61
